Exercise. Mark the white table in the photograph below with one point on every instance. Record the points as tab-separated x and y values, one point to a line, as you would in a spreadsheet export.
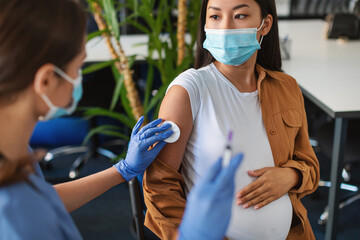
328	72
97	51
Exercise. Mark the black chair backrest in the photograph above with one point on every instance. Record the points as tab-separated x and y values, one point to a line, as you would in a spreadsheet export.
137	208
317	8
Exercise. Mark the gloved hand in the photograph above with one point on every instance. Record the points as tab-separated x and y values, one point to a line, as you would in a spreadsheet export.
138	157
208	210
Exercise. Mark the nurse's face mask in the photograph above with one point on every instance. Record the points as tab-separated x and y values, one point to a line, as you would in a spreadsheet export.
232	46
55	111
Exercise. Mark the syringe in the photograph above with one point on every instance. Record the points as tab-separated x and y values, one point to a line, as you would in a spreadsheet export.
228	150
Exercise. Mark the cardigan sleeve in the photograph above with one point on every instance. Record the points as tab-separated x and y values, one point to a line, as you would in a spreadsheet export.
304	160
164	198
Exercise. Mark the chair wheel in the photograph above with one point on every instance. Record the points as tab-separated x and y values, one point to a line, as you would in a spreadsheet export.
323	218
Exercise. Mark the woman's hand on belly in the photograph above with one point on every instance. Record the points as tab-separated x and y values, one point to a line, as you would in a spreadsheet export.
271	184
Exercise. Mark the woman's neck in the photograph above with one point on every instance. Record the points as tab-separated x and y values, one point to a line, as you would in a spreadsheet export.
17	123
243	77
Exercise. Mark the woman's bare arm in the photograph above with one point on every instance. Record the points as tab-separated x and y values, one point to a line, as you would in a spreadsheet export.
163	185
176	107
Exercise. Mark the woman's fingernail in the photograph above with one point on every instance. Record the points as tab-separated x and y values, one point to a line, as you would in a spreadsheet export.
246	206
240	202
256	207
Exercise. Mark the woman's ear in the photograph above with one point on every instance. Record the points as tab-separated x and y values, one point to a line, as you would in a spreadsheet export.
268	21
45	80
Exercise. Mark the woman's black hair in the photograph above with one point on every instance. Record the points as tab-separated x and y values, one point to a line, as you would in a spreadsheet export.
268	57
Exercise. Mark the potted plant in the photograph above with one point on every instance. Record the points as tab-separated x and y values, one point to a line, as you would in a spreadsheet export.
168	54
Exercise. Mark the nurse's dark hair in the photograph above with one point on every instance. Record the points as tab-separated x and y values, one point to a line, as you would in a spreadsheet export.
268	56
34	33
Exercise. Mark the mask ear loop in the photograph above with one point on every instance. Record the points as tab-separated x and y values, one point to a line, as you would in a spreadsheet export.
63	75
262	23
261	37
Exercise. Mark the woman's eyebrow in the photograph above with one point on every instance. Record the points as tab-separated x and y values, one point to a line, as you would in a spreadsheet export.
241	6
214	8
236	7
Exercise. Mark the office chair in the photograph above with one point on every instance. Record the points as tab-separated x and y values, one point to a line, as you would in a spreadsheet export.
92	149
321	131
324	136
318	8
138	210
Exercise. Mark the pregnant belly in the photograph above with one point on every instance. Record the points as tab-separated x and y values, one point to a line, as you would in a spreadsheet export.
270	222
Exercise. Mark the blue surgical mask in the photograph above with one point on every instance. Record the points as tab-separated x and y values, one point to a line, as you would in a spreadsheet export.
232	46
55	111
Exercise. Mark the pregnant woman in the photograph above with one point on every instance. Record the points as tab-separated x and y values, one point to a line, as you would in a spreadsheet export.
237	84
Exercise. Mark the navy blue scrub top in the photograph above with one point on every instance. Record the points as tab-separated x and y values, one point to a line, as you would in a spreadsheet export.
33	210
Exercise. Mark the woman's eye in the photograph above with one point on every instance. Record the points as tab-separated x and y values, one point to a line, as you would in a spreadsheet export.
215	17
240	16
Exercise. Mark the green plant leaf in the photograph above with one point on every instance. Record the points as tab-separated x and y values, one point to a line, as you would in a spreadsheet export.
123	95
151	3
127	19
185	64
126	104
145	11
155	24
115	134
91	112
149	84
115	72
160	16
157	98
95	34
157	109
170	63
116	94
97	66
139	26
131	60
110	17
109	130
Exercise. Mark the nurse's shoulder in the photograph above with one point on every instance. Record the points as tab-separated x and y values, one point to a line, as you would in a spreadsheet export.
25	214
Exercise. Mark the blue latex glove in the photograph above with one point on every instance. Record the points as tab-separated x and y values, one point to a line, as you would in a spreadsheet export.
208	210
138	157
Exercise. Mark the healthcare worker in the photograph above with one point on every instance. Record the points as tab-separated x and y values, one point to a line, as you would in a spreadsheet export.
42	48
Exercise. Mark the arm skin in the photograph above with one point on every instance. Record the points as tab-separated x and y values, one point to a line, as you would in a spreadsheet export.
176	107
76	193
163	184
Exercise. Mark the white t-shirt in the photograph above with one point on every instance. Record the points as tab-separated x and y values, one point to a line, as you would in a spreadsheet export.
218	106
